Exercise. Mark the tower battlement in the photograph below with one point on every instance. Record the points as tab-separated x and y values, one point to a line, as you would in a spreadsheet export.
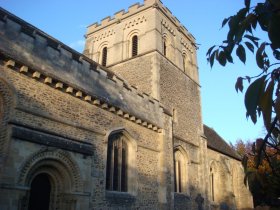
134	9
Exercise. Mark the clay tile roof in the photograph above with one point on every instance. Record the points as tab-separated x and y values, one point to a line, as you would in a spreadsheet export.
217	143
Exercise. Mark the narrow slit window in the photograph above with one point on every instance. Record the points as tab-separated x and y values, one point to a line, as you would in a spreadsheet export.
164	48
134	46
184	62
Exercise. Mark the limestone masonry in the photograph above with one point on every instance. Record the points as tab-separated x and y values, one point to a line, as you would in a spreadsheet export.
118	127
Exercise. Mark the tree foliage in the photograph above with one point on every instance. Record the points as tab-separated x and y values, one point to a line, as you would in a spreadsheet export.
262	97
263	184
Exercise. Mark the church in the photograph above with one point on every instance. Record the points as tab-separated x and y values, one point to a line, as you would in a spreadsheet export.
118	127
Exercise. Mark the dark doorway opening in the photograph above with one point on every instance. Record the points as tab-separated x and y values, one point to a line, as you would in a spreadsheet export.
40	193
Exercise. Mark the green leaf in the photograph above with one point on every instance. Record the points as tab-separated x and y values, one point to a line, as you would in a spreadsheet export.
228	56
252	97
252	38
248	78
225	22
274	31
276	54
239	84
250	46
247	3
260	57
222	58
263	20
240	52
266	102
212	57
210	50
254	22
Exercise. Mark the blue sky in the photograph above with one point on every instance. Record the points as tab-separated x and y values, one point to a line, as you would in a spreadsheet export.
223	109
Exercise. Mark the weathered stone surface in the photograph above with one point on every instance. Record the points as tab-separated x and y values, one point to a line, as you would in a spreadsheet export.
59	109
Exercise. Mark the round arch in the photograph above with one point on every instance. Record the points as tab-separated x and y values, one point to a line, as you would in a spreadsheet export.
56	163
129	41
100	52
62	172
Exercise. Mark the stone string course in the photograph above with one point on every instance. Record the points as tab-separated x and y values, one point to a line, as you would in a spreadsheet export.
75	92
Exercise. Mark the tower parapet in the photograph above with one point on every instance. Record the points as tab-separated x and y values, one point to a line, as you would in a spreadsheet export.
134	9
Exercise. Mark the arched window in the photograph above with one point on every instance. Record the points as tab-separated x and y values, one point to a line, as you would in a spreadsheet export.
104	56
180	171
212	184
134	49
117	165
184	62
215	182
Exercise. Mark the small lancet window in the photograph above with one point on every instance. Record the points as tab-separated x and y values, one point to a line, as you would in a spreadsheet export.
116	172
164	48
212	192
184	62
134	45
178	167
104	56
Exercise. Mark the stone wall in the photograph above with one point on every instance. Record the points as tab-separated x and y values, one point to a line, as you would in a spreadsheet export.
137	72
63	114
181	94
229	182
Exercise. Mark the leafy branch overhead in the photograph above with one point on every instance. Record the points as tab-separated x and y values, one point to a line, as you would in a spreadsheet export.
262	97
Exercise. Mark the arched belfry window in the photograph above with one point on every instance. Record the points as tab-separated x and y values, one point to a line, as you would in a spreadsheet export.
117	163
134	46
104	56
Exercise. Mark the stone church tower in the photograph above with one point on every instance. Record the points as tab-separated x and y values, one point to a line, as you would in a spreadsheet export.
153	51
118	127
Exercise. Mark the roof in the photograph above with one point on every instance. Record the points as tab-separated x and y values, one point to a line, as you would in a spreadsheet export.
217	143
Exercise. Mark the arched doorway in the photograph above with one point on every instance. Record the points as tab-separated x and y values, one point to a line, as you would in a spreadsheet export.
40	193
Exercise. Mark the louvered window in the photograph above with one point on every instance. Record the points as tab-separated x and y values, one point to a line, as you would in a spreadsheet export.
116	172
104	56
134	46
